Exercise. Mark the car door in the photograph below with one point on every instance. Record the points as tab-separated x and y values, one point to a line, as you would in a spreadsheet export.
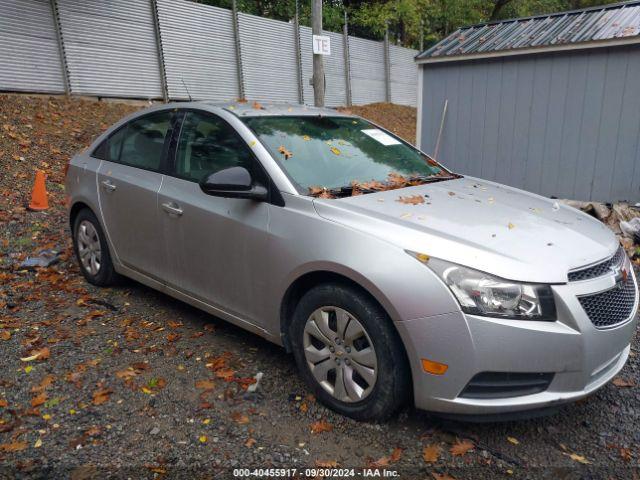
129	178
215	246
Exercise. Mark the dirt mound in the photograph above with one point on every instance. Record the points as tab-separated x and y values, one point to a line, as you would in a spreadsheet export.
399	119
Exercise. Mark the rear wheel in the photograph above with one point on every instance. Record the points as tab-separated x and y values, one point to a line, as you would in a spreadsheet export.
349	353
92	250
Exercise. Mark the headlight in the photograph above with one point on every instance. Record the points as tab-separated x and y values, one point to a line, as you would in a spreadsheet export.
482	294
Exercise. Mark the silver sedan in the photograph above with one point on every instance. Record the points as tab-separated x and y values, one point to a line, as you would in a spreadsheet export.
386	275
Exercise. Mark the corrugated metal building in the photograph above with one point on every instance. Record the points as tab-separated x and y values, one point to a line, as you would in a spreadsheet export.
550	104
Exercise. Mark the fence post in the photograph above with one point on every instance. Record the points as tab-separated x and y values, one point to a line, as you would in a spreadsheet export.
236	37
159	50
347	61
296	28
387	65
63	55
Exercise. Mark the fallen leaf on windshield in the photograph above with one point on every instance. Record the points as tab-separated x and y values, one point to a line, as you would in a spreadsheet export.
287	154
623	382
306	138
412	200
431	453
320	192
461	447
335	151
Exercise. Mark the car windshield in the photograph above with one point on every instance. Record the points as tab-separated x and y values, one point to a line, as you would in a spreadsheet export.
324	153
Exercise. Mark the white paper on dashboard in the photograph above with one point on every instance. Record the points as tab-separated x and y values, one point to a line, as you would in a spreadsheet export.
380	136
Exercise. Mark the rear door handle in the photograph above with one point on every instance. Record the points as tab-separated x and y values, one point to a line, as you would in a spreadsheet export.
172	208
107	185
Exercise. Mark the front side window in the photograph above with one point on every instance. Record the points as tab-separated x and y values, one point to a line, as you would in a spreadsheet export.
143	141
207	145
338	152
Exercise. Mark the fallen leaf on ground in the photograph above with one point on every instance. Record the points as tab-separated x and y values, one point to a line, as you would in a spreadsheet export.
240	418
5	335
250	442
461	447
321	426
39	399
41	354
172	337
412	200
13	447
431	453
625	453
205	384
3	403
577	458
513	440
326	463
442	476
623	382
101	395
44	384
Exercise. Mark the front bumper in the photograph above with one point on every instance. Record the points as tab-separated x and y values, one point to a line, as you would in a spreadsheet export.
581	357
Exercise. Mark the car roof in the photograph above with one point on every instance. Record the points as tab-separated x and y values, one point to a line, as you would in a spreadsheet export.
263	109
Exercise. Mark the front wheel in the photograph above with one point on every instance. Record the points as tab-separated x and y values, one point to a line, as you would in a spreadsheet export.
349	353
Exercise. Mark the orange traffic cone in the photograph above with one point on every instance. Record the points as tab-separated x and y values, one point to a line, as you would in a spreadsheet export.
39	200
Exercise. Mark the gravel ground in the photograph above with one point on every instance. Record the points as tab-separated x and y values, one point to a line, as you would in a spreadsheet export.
127	382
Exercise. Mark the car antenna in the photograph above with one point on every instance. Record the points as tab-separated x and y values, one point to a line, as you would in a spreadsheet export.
185	87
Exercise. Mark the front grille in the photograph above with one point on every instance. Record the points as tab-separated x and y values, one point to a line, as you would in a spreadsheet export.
599	269
506	384
611	307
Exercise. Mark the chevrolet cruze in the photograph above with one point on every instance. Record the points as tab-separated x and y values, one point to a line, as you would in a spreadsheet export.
387	276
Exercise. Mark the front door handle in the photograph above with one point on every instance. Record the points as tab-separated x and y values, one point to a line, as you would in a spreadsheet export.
108	186
172	208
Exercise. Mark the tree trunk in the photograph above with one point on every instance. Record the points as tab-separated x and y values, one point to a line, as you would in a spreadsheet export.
497	8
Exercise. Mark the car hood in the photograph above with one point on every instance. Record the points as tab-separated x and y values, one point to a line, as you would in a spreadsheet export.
484	225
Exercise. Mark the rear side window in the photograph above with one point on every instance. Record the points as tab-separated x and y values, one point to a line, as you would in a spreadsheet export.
209	144
139	143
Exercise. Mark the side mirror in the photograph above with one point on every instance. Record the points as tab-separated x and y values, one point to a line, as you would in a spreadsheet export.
234	182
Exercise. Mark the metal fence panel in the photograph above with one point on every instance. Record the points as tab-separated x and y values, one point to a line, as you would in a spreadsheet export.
404	75
336	91
367	71
269	62
111	48
199	50
29	54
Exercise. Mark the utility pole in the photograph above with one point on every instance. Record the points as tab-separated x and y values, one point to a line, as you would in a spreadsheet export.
318	63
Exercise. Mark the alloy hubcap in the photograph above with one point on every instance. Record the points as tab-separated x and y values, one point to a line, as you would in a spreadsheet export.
340	354
89	247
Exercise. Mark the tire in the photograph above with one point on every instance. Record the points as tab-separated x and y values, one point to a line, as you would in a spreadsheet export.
89	237
364	397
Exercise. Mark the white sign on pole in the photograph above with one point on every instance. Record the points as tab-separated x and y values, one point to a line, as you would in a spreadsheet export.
321	45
